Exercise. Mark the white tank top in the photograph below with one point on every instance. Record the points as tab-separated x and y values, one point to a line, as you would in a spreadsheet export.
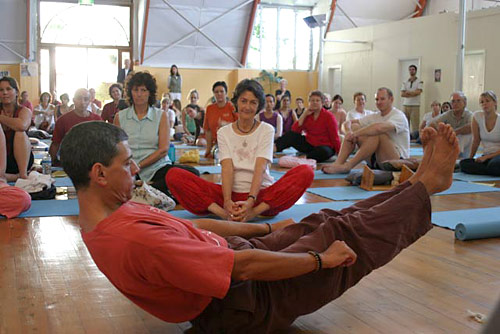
489	139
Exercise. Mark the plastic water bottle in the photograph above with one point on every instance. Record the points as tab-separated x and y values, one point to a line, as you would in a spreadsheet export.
216	155
46	164
171	152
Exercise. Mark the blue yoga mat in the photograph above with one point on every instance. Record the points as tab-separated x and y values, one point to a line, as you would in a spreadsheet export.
474	178
186	147
416	151
470	224
63	182
296	212
52	207
355	193
343	193
209	169
318	175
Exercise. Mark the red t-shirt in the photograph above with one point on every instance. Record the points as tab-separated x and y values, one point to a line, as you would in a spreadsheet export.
13	201
216	117
109	111
69	120
161	263
320	132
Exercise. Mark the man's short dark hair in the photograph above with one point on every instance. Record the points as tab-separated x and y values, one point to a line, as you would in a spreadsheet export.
271	95
414	66
252	86
139	79
220	83
88	143
115	85
317	93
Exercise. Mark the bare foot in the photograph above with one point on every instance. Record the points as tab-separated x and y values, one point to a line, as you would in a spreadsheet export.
427	136
438	176
336	169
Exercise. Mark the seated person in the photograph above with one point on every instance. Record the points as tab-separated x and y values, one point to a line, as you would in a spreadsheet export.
165	106
381	136
43	114
13	200
245	152
359	110
272	117
110	109
148	131
435	111
79	114
64	107
218	114
460	120
24	100
485	130
229	277
322	137
288	115
194	117
338	111
188	124
299	103
15	121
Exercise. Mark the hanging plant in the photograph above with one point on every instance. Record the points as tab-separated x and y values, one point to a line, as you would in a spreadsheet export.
268	80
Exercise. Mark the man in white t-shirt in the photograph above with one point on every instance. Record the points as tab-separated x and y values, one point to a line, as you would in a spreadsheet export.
381	136
410	92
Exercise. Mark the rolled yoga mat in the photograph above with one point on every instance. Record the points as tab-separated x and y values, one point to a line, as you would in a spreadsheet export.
478	230
470	224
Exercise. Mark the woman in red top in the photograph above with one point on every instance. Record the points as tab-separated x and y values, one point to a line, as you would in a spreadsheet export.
321	139
15	121
111	108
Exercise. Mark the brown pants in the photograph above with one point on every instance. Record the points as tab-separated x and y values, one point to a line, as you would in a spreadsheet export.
374	228
412	114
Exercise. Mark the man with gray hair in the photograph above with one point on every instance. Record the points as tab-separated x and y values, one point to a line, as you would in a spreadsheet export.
65	122
381	136
460	120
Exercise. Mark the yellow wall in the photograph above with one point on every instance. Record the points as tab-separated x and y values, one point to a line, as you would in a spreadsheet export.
29	84
300	83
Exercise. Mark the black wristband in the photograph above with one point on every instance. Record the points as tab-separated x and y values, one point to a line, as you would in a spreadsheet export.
251	196
269	227
319	263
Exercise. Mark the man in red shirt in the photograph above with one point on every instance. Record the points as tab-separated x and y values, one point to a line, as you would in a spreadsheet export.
218	114
64	123
234	277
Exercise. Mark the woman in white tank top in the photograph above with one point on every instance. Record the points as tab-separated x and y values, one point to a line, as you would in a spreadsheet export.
485	130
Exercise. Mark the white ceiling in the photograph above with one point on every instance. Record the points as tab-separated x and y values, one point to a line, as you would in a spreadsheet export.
166	41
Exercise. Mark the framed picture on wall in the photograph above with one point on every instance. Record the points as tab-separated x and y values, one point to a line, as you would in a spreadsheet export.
4	74
437	75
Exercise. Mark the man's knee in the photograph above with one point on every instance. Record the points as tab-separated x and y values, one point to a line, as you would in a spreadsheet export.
20	136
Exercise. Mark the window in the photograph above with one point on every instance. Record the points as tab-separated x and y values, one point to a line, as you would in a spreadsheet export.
69	23
281	39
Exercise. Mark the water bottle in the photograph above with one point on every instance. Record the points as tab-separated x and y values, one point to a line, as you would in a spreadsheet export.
47	164
171	152
216	155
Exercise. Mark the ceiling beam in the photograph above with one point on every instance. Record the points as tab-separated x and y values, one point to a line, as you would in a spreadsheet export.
419	9
251	22
330	19
145	30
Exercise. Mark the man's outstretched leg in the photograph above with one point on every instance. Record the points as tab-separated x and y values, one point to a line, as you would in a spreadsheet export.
377	234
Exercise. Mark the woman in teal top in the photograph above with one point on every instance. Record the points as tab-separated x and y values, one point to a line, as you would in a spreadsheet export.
148	131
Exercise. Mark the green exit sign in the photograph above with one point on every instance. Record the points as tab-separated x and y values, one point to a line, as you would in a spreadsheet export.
86	2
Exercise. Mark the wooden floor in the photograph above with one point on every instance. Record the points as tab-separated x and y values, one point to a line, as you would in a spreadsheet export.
49	283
